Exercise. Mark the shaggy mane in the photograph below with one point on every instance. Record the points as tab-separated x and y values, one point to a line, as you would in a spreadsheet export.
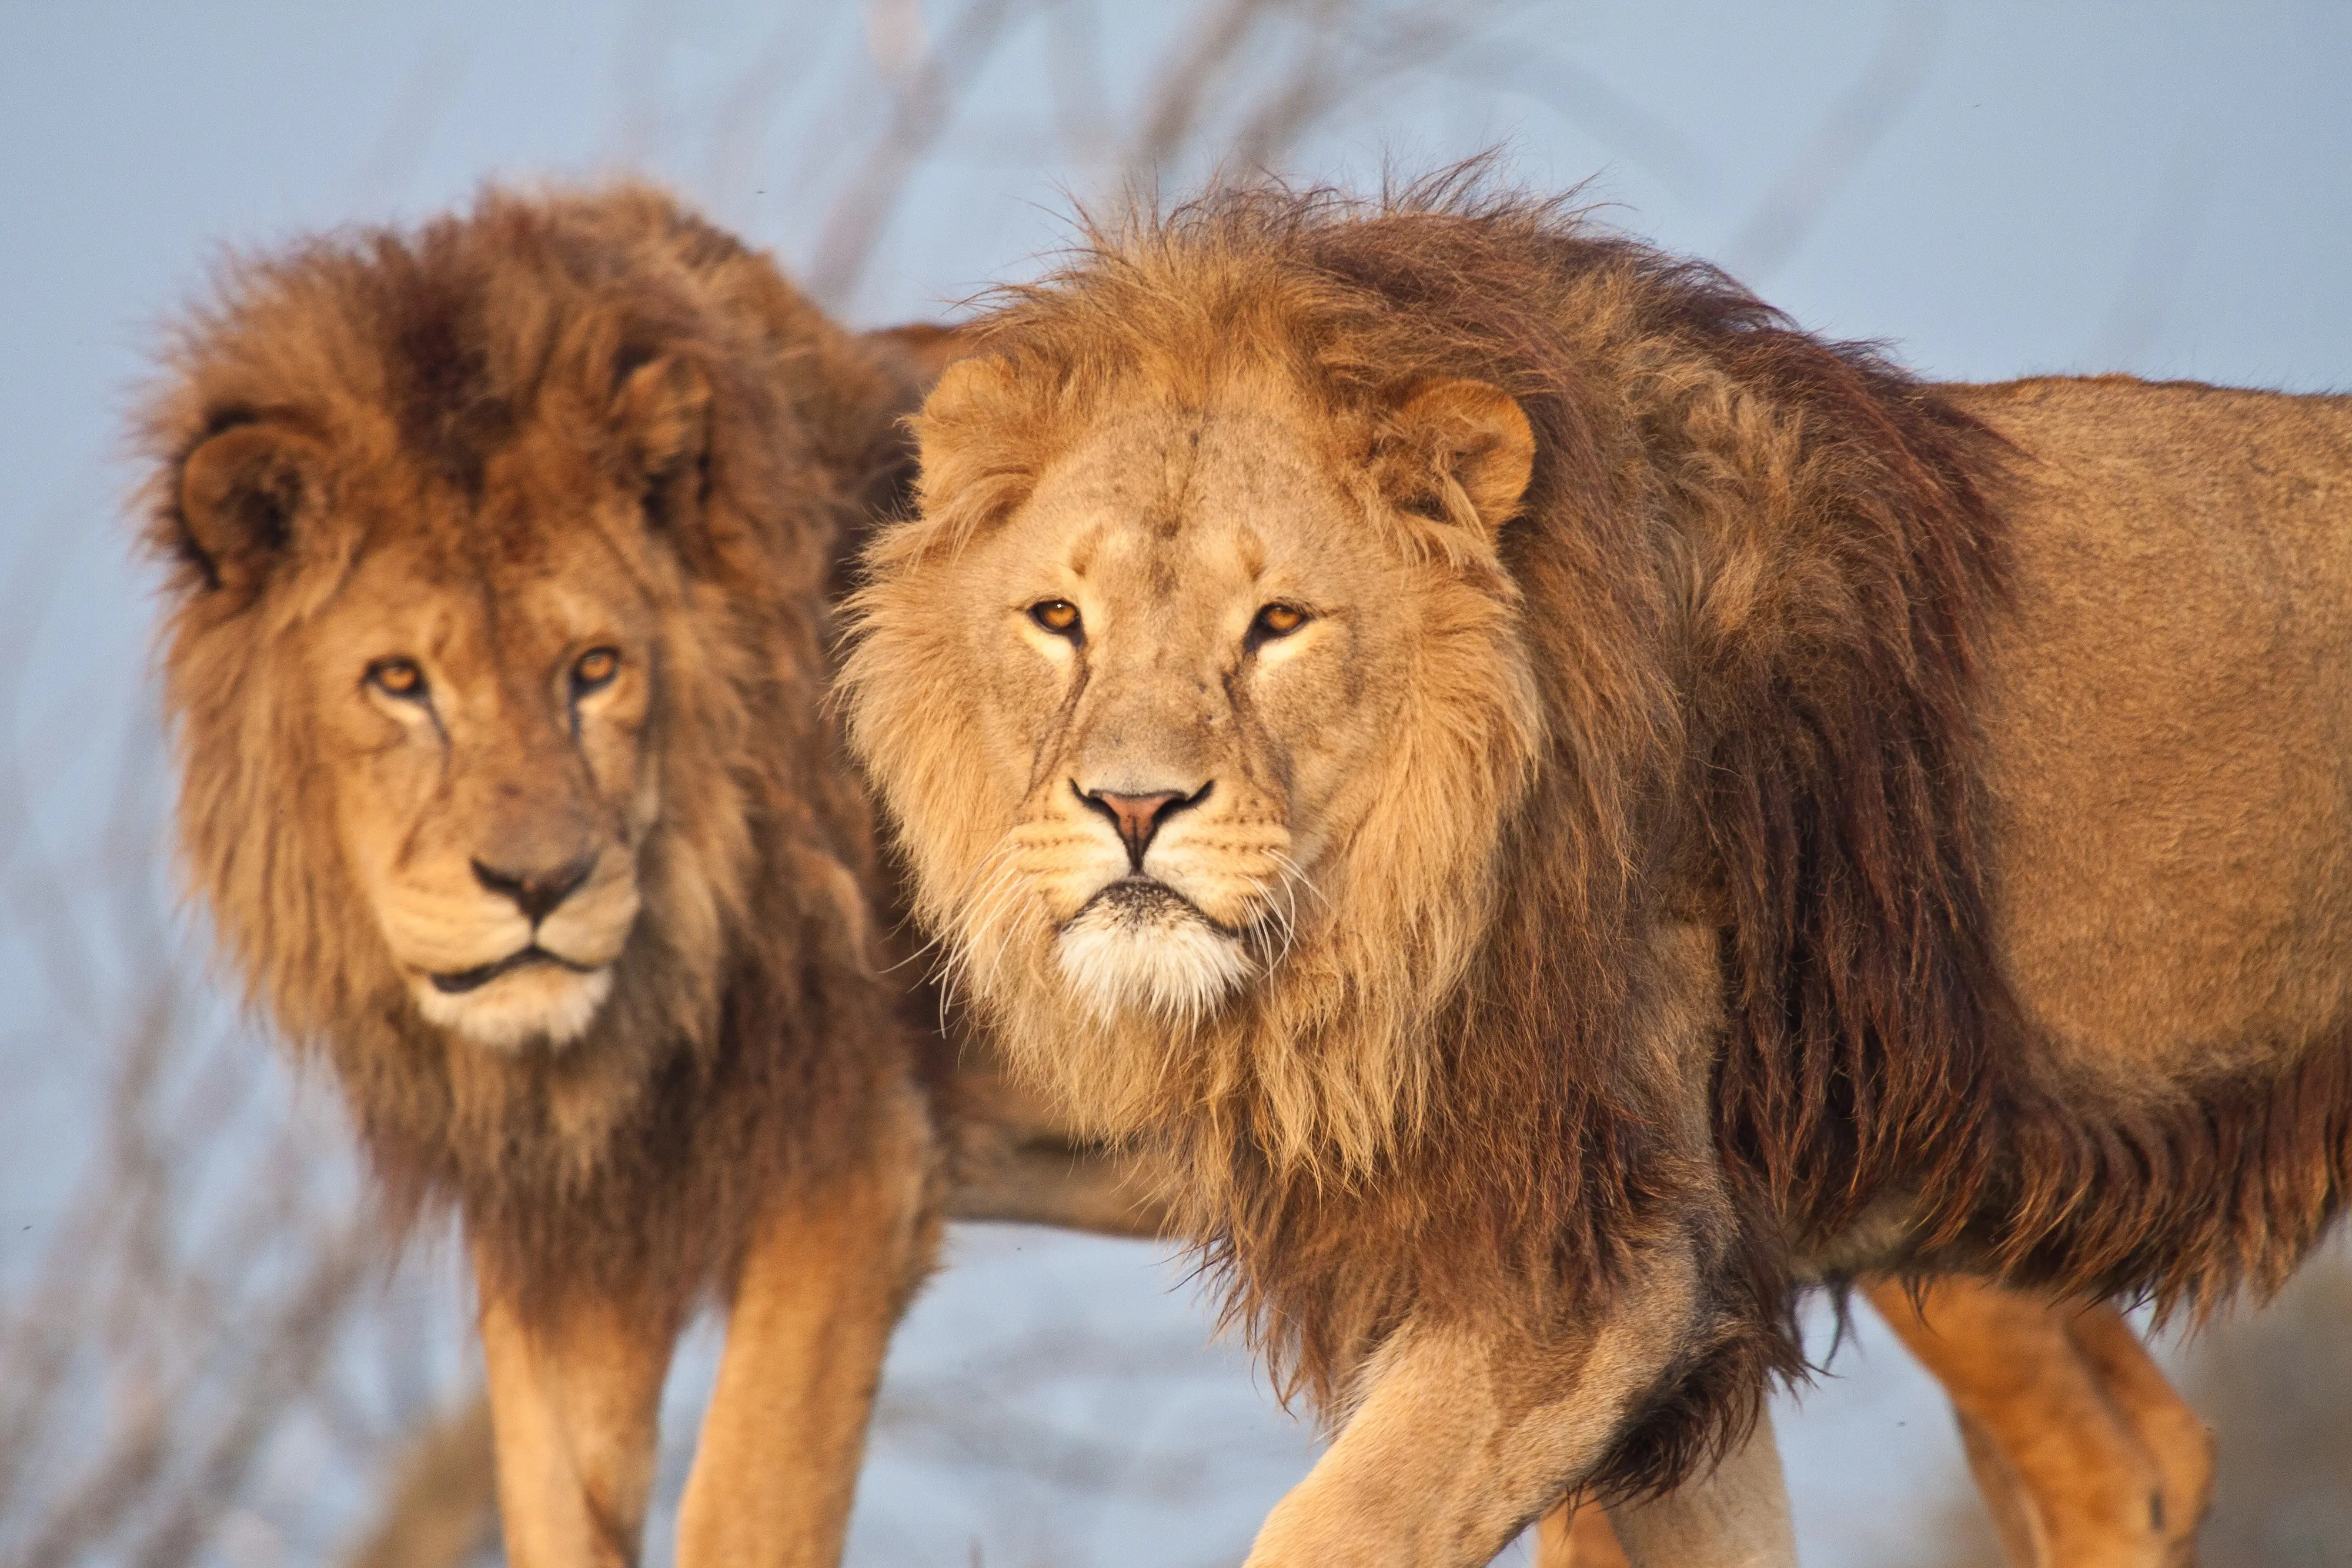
1756	574
1757	568
733	1057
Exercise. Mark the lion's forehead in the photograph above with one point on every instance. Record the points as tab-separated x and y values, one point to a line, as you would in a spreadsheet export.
1176	519
496	592
1181	462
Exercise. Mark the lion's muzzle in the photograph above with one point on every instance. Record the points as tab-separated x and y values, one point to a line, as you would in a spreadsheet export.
537	892
1139	818
505	949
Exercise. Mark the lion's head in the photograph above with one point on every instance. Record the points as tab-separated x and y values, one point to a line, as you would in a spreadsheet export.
496	632
1338	638
474	690
1200	692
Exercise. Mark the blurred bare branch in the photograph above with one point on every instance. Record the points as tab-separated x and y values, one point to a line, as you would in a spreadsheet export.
426	96
1853	130
2160	255
1587	100
925	103
441	1508
168	1335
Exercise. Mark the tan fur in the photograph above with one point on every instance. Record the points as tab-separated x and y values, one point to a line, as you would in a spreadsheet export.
475	456
1735	1516
1821	823
2084	1453
2087	1455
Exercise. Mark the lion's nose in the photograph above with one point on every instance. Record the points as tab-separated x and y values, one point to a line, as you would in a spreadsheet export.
537	893
1138	817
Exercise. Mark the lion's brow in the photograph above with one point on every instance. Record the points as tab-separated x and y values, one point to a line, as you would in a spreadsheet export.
1252	545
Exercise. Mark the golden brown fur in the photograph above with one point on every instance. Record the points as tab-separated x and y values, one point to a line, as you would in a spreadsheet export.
499	550
2085	1456
1804	830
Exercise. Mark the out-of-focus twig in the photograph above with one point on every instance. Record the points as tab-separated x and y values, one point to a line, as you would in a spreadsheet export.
1854	128
441	1510
925	103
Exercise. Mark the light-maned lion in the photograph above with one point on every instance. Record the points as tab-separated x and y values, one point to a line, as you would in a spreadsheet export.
495	652
1562	808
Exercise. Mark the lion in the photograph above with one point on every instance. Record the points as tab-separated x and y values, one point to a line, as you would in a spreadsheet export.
494	649
1560	808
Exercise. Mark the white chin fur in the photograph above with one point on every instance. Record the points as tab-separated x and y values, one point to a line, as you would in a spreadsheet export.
540	1003
1160	958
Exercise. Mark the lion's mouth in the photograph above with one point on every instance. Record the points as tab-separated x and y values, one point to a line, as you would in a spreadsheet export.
1145	901
466	980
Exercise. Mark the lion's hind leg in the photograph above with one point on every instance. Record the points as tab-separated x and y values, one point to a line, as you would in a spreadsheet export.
2174	1434
2086	1455
2082	1451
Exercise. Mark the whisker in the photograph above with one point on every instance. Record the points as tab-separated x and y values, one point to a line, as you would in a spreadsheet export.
985	887
1300	878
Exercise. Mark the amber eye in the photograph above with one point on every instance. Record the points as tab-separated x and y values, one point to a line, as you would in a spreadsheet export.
1058	616
1276	621
397	678
594	671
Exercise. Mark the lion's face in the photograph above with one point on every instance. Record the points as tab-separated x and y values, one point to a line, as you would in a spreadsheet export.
477	677
1205	697
484	722
1195	670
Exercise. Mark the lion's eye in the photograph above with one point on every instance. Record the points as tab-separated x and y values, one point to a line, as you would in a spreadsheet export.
1058	616
1276	621
397	678
594	671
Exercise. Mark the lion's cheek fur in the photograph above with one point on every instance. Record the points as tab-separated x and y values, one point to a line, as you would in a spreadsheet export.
255	847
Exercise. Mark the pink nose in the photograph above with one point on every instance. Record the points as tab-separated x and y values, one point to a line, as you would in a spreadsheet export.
1137	816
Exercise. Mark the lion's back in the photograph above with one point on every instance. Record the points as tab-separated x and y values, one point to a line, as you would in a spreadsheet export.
2169	720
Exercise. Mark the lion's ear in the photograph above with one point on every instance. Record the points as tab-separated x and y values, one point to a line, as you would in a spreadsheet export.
661	417
241	493
925	349
973	445
970	392
1469	437
661	410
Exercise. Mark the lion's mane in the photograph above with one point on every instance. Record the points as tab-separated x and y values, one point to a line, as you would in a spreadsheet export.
747	1034
1757	570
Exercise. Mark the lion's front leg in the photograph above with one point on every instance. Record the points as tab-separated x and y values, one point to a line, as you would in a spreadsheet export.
575	1398
1733	1516
1462	1438
821	1286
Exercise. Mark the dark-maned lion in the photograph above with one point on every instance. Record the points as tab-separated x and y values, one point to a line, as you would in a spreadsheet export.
495	654
1562	807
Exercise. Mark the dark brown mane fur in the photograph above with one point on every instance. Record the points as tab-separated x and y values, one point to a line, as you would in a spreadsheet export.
632	1160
